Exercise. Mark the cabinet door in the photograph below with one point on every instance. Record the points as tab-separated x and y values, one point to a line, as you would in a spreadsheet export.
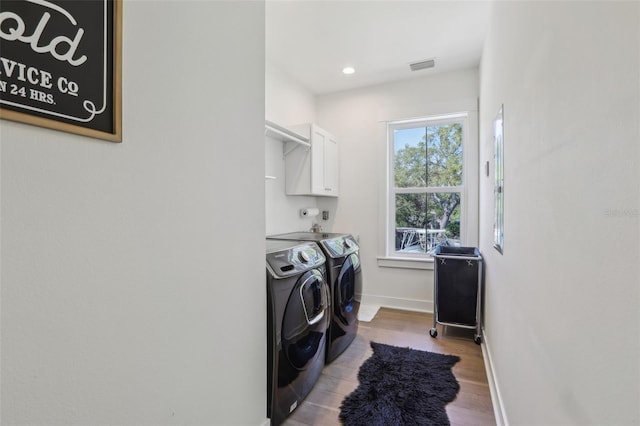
330	171
318	138
324	163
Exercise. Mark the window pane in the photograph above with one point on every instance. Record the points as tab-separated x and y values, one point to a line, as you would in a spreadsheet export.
410	222
443	218
411	210
426	220
428	156
410	157
444	154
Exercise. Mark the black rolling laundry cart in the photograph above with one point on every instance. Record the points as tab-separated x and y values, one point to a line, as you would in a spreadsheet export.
457	289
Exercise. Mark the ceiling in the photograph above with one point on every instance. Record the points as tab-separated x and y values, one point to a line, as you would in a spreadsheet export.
313	40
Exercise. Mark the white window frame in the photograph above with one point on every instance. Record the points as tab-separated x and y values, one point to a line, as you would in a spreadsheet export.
462	118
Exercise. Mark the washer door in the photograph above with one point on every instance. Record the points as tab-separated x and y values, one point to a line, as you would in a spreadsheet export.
305	323
345	290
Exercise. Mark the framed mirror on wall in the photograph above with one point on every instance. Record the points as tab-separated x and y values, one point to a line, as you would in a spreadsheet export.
498	186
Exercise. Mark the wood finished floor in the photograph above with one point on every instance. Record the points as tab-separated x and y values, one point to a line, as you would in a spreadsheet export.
472	405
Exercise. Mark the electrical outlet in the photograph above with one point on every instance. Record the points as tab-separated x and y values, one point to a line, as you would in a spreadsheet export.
325	215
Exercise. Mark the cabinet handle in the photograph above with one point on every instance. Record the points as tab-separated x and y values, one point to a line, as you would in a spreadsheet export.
327	189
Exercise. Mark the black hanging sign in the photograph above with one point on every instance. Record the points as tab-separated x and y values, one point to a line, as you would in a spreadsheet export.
60	65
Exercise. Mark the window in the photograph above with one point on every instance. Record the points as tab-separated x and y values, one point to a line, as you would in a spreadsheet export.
427	196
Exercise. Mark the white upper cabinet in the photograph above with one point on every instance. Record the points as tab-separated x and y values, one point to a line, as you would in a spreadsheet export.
313	171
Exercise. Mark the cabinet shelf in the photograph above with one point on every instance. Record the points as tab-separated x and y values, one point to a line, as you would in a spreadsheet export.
283	134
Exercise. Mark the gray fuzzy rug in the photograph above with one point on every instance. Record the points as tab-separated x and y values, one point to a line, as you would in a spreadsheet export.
401	386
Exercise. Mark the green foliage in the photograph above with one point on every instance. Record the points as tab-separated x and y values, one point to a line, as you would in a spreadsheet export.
444	155
411	210
453	229
411	166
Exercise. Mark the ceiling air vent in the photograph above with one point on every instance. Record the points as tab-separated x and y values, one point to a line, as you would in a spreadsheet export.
429	63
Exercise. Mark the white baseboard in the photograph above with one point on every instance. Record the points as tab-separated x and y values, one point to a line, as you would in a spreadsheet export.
496	397
399	303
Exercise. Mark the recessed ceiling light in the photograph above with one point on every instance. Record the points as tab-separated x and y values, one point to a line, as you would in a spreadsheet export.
348	70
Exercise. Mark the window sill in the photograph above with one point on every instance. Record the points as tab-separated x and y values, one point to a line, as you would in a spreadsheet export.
406	262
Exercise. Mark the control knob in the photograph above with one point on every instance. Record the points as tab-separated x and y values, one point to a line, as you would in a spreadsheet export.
304	257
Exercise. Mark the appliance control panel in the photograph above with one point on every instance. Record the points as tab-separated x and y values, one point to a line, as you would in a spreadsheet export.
340	246
295	260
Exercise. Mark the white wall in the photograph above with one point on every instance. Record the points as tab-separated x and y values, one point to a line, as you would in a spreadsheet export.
562	305
287	103
358	119
132	274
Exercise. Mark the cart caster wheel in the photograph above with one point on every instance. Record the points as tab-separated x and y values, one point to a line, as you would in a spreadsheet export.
433	332
478	340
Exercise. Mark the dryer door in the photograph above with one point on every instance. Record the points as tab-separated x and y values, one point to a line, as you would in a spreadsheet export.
305	323
346	306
